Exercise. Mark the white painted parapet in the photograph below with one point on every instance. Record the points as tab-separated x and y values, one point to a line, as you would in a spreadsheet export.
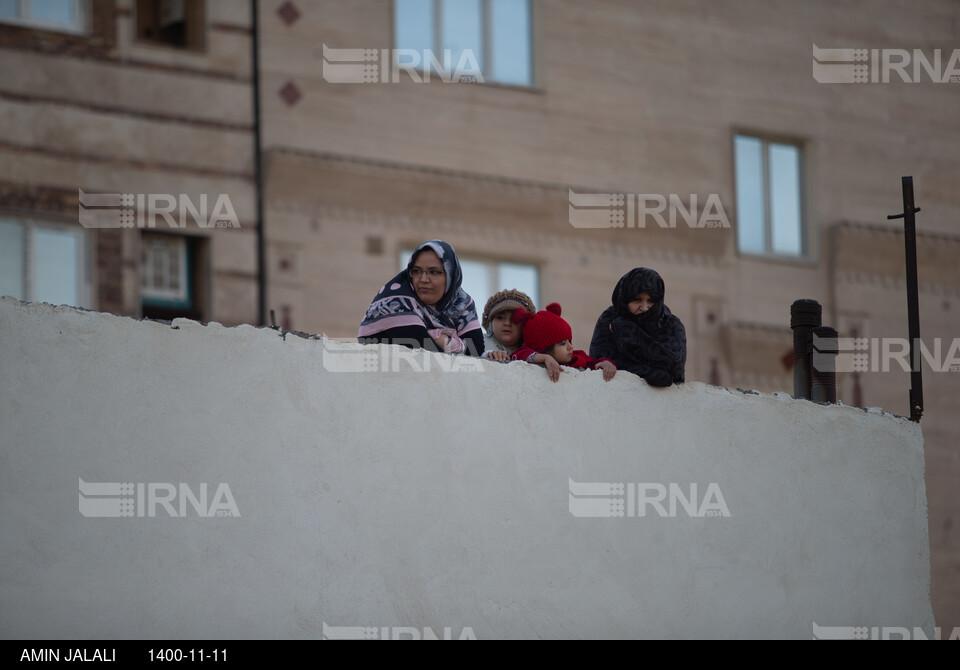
301	488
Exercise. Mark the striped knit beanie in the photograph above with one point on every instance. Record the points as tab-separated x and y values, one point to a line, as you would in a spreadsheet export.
505	301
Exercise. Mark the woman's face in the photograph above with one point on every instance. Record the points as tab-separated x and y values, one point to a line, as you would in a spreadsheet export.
640	304
428	277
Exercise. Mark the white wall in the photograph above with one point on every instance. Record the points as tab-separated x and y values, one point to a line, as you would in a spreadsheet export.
430	499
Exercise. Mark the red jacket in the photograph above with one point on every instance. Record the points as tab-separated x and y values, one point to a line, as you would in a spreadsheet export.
580	359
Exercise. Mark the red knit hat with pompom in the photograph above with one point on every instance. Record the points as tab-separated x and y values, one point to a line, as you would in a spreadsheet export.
543	329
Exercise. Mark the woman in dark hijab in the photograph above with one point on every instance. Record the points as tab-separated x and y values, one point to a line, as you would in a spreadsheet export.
639	333
425	307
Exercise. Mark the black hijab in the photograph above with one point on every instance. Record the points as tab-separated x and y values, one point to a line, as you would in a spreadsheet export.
631	285
653	340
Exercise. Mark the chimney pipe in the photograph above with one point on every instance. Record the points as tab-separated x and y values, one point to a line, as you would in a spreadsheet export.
823	368
805	315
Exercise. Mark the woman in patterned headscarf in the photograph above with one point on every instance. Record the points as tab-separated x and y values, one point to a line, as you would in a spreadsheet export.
639	333
424	306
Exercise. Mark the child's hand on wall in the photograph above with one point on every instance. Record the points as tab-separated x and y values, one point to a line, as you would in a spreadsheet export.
609	370
553	368
499	356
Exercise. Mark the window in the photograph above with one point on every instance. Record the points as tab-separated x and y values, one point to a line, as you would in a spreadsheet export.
42	262
172	23
167	286
59	15
483	278
163	277
770	209
498	32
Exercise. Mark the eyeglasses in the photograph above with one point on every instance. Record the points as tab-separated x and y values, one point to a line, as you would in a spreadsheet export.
432	274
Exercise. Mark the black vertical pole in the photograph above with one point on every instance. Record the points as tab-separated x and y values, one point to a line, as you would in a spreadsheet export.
913	299
258	169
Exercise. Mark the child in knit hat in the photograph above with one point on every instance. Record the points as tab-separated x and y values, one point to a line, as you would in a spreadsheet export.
548	339
503	336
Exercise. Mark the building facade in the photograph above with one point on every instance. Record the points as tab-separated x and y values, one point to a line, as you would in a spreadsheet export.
145	99
750	152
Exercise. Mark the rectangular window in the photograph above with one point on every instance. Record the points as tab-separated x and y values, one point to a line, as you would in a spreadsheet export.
498	34
482	278
164	269
43	262
172	23
173	277
59	15
769	187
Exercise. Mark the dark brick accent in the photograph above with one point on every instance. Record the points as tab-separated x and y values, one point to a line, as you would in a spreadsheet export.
230	28
107	108
289	13
45	201
290	93
109	270
11	150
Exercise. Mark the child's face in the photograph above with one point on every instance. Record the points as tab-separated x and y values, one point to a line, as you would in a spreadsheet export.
562	352
505	331
640	304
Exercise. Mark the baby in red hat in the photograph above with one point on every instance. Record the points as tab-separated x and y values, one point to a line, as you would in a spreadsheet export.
548	340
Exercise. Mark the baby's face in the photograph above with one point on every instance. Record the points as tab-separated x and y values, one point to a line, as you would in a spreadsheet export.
640	304
563	351
505	331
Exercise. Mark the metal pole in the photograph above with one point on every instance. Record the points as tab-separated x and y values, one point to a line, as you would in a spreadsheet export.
258	169
913	299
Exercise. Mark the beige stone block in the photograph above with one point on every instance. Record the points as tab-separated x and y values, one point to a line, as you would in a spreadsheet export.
126	87
230	52
234	299
339	22
26	167
229	12
234	251
93	134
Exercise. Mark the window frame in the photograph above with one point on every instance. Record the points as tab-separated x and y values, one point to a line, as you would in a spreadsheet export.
141	41
79	27
808	245
163	297
486	39
30	226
